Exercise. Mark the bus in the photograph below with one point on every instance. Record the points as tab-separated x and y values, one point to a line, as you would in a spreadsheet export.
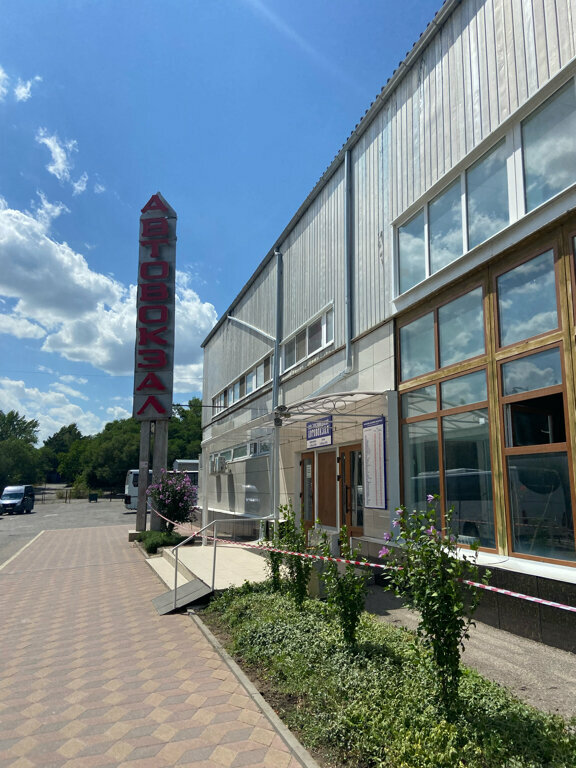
188	467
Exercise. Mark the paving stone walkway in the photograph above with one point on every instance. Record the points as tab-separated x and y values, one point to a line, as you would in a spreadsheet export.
93	677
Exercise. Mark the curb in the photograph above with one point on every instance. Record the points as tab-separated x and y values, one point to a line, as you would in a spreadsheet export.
285	734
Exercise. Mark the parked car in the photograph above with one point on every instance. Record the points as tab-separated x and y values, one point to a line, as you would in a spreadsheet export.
17	498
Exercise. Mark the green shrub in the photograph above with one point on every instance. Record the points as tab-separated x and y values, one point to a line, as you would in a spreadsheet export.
152	541
373	705
431	578
346	586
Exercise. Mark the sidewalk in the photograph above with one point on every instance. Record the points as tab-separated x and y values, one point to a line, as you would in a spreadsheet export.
93	677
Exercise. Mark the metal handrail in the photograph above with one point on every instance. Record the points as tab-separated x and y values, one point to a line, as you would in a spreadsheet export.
214	523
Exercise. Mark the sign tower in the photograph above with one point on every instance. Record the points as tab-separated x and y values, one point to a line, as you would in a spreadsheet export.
154	357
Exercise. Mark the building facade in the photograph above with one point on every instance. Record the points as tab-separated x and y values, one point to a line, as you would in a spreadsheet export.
412	330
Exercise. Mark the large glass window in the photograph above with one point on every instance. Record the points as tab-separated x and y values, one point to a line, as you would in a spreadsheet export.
421	466
468	476
411	252
464	390
487	196
461	328
527	300
538	371
445	223
417	347
549	147
540	505
419	401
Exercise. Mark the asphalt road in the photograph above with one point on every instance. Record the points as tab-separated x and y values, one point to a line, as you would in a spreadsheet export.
17	530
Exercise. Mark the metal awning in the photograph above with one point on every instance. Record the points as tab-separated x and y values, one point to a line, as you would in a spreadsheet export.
334	404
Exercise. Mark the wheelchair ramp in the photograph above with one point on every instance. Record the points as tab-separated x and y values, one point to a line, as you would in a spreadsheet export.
188	593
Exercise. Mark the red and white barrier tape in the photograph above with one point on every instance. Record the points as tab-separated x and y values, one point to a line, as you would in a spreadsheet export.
378	566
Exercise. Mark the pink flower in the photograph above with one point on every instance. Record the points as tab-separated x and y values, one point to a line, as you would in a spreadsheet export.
387	536
383	552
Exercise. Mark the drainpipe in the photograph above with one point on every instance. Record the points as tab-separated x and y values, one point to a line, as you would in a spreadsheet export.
276	388
349	266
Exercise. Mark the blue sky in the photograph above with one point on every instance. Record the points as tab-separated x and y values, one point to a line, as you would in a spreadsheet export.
232	109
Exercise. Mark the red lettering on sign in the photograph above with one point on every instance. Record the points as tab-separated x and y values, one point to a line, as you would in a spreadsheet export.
155	358
154	204
153	315
151	381
155	228
151	401
153	291
154	270
155	246
146	336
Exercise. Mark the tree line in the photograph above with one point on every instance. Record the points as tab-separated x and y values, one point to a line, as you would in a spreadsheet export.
91	461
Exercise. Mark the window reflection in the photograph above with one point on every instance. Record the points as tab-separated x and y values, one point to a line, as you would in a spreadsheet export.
445	222
487	196
464	390
527	300
544	369
420	449
411	252
549	147
417	347
468	477
461	328
419	402
540	505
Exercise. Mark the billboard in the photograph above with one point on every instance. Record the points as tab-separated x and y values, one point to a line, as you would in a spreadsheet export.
155	310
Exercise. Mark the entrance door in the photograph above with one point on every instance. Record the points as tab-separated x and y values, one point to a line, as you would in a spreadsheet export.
351	489
307	490
327	500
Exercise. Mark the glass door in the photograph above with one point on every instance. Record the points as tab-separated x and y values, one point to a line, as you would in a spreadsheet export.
307	490
351	489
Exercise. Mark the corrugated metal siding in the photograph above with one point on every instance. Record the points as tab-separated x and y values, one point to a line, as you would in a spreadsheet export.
234	348
367	169
314	260
486	60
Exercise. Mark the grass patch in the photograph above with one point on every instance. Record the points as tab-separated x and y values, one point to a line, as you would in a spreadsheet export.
152	541
372	705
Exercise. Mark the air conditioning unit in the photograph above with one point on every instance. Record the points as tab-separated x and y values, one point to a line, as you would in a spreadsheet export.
217	464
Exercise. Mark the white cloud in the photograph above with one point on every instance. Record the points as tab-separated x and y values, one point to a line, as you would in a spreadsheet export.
80	186
52	409
87	317
61	152
69	391
99	188
116	413
20	327
4	80
62	163
69	379
51	283
23	89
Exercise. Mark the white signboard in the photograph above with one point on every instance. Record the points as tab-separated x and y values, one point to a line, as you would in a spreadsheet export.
374	460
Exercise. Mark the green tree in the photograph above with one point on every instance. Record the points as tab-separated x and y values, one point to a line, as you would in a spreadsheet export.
185	432
19	462
111	453
12	425
56	448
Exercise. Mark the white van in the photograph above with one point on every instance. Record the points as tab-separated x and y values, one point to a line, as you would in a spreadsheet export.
17	498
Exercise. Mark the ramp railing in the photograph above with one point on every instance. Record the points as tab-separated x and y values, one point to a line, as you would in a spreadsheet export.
213	524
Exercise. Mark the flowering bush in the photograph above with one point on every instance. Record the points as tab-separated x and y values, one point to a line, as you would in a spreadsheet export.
431	578
174	497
